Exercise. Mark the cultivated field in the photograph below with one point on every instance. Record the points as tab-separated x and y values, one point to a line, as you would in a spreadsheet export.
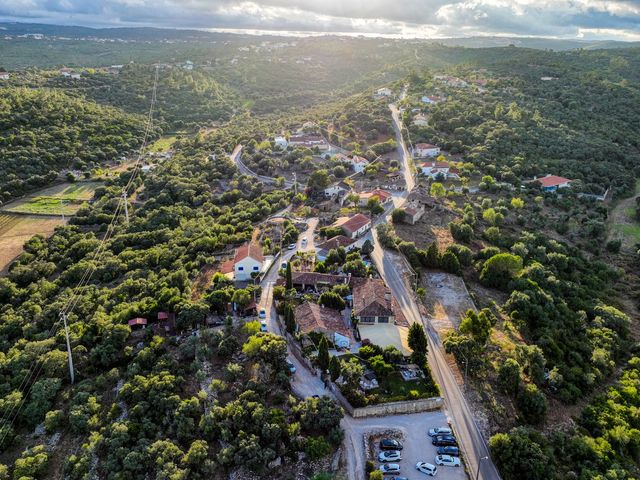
623	222
15	230
65	198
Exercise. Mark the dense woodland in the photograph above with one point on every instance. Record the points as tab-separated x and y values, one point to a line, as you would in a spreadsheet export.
551	330
44	131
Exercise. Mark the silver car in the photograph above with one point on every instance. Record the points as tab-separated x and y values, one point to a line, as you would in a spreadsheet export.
389	456
390	468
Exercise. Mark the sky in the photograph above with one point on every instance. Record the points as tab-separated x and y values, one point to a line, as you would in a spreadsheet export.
575	19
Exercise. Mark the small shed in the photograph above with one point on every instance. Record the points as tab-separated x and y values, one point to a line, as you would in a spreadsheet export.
137	323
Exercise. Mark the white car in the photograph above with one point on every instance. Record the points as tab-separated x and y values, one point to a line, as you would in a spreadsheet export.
390	456
426	468
262	313
440	431
304	240
292	246
390	468
263	326
448	461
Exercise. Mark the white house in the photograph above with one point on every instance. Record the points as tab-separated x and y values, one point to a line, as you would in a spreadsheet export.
384	92
383	197
248	261
422	150
355	226
358	163
335	190
281	142
75	76
433	169
4	75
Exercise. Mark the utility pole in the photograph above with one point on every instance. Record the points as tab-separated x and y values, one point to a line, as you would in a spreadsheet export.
295	183
66	334
126	207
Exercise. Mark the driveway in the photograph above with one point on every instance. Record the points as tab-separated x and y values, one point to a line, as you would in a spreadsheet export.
417	444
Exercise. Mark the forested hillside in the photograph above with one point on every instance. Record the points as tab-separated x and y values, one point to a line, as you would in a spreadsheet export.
43	131
186	99
157	425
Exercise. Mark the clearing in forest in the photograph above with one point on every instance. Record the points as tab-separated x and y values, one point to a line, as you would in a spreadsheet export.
65	198
623	222
15	230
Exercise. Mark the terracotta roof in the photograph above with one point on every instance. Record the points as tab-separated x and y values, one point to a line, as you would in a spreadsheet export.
315	278
372	298
163	315
227	267
358	159
305	138
409	210
552	180
435	164
381	194
137	321
335	242
355	223
312	317
249	249
422	146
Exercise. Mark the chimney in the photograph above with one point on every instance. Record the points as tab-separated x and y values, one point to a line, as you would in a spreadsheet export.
387	296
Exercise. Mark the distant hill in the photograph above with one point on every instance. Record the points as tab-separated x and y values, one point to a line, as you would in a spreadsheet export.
149	33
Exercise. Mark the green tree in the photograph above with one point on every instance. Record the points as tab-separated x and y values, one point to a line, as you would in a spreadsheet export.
509	377
432	258
289	318
417	340
449	263
532	404
334	368
500	269
397	215
289	278
437	190
522	454
476	325
323	354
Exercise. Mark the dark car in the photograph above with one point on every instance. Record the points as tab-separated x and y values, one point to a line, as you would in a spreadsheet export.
444	441
390	444
452	451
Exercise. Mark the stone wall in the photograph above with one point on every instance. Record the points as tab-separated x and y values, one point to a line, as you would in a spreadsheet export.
390	408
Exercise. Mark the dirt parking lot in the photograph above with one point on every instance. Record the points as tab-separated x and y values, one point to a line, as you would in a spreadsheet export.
412	430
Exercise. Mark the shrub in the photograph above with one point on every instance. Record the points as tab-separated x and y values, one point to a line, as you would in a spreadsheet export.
316	447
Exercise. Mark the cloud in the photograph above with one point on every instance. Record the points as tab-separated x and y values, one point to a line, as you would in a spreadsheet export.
616	19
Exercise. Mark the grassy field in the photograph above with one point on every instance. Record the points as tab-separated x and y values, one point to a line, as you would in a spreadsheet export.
66	198
623	223
17	229
162	144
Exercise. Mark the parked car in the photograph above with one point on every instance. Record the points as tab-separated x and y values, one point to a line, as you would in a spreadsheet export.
426	468
448	460
291	366
453	451
389	456
398	478
263	327
390	468
304	240
262	313
292	246
390	444
283	265
439	431
444	441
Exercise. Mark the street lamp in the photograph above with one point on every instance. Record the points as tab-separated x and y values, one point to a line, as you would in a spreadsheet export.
479	462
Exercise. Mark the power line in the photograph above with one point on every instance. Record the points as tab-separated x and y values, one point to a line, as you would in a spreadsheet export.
36	366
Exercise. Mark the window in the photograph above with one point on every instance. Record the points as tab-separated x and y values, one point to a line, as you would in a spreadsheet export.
255	269
240	269
383	319
367	319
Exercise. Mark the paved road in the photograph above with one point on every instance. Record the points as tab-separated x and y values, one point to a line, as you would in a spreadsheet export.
236	157
459	414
